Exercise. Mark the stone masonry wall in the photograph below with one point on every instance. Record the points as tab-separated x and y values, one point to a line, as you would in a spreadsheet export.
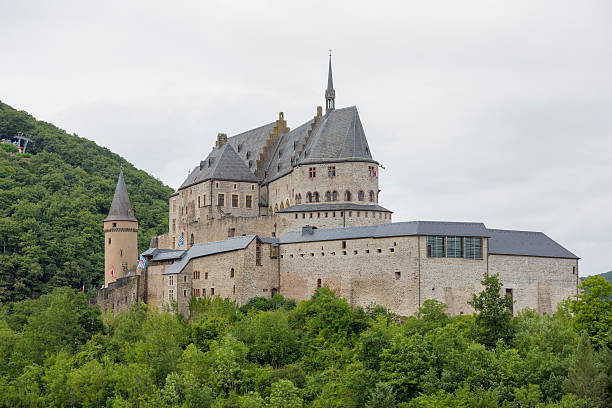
536	282
119	295
382	271
352	176
451	280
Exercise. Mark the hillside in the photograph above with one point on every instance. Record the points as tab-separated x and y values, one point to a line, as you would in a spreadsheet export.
607	275
52	203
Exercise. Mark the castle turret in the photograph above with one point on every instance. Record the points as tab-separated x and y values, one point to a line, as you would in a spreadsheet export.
120	236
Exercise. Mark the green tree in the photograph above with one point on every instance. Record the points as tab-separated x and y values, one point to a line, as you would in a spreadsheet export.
586	378
493	318
382	396
593	309
284	395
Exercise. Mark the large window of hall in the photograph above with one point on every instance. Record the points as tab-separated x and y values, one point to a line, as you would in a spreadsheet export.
454	247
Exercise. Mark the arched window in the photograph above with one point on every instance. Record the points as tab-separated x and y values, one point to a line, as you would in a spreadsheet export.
371	195
361	195
318	283
232	273
309	197
347	195
328	196
192	240
282	205
287	204
275	207
315	195
298	199
335	196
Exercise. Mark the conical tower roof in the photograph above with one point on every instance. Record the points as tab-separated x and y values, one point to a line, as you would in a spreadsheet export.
121	208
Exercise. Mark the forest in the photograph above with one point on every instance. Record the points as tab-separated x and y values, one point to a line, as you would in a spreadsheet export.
56	351
53	200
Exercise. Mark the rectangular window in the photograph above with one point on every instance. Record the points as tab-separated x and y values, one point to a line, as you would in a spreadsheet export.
258	254
173	225
473	248
453	247
203	292
249	201
435	247
171	295
212	292
171	280
203	200
235	200
312	172
331	171
221	200
199	202
509	294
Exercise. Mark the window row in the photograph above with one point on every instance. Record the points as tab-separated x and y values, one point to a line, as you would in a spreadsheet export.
234	200
331	171
326	214
454	247
313	197
197	275
343	252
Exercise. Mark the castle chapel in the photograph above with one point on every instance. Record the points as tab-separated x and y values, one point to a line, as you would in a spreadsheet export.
275	210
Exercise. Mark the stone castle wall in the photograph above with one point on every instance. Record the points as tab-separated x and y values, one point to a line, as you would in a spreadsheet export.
365	272
119	295
351	176
536	282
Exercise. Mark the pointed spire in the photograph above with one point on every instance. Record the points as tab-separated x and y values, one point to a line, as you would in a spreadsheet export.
330	93
121	208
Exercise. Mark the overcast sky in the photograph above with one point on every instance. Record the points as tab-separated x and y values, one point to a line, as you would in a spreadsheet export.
487	111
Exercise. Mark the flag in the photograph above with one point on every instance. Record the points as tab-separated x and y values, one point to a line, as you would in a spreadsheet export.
83	289
112	272
142	263
180	240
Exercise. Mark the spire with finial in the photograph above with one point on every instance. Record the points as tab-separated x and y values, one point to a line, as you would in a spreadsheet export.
330	93
121	208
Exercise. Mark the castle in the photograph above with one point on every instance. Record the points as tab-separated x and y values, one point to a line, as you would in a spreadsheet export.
275	210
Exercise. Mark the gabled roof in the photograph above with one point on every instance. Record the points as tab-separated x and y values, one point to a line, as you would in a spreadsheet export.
250	144
464	229
209	248
121	208
527	243
221	164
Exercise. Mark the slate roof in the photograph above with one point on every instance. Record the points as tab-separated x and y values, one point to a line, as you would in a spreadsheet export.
221	164
501	242
164	254
337	136
209	248
464	229
121	208
251	143
333	207
528	243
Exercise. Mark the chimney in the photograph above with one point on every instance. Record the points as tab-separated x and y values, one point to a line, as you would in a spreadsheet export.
221	140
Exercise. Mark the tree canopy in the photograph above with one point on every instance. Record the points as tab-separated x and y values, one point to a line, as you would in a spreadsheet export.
53	200
56	351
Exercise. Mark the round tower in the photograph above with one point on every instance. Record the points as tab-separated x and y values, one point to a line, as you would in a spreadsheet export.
120	236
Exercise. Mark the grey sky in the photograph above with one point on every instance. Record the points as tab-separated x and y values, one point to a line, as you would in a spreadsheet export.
479	110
